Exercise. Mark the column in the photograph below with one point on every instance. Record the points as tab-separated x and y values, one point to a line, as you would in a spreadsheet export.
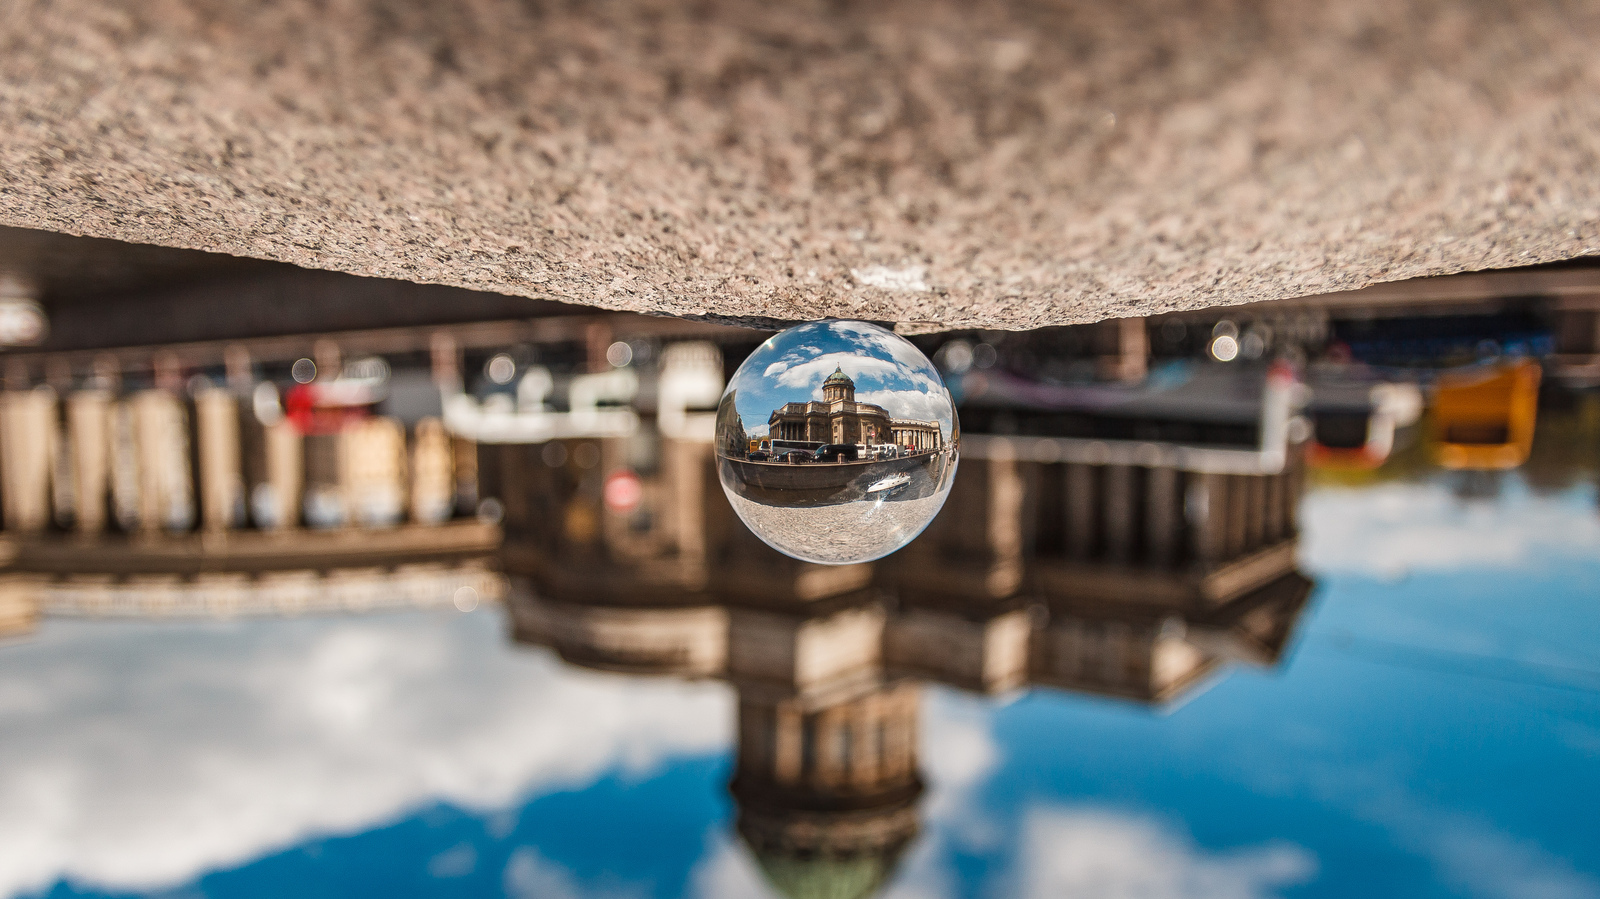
788	761
372	462
1206	507
1161	517
1238	515
27	455
1080	510
432	475
161	449
89	433
1133	349
324	500
221	469
1256	512
1007	494
278	506
684	463
1275	509
1119	512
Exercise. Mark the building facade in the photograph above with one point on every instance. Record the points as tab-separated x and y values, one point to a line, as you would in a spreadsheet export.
921	436
838	418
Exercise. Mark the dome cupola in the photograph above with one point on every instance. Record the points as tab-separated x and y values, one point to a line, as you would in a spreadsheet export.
838	386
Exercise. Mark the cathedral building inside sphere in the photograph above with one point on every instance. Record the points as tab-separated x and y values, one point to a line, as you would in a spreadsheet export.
839	418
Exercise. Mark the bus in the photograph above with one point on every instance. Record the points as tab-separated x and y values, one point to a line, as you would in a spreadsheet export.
777	449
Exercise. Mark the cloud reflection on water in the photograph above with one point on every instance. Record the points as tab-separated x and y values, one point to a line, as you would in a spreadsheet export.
140	756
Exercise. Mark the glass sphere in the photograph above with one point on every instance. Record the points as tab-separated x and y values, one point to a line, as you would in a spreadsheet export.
837	442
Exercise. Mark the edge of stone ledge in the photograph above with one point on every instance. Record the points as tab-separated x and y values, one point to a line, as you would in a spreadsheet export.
912	329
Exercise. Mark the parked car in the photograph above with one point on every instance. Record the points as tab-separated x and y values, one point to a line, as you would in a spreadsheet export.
837	452
795	457
759	456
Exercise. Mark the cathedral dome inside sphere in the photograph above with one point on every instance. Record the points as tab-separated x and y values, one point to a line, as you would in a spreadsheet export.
837	442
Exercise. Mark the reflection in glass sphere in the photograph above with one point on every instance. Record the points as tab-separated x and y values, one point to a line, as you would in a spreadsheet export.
837	442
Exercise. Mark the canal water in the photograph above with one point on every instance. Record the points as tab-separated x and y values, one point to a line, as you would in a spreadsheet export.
1431	728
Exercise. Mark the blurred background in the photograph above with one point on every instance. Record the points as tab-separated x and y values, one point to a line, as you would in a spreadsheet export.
329	585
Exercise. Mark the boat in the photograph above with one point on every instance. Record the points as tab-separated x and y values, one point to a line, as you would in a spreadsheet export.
886	486
1483	418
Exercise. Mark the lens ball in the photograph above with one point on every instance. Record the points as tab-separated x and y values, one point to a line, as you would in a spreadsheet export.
837	442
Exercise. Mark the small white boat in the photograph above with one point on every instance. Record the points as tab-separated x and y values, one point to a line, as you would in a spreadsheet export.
888	485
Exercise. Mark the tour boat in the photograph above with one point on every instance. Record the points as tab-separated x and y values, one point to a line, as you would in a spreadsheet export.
888	485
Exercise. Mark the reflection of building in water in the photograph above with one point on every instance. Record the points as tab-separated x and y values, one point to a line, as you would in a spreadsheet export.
1146	652
826	780
1142	559
641	519
838	418
997	596
18	606
1141	577
178	480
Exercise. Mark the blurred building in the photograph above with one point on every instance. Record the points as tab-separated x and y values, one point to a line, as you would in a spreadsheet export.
1020	583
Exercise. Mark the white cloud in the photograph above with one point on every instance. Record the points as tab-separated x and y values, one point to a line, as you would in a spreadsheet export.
1094	852
957	749
1390	529
726	871
925	873
875	355
812	372
1466	850
874	339
457	861
912	404
958	756
1490	864
139	756
529	875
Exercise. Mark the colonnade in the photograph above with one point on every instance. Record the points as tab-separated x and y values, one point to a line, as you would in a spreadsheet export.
159	461
922	436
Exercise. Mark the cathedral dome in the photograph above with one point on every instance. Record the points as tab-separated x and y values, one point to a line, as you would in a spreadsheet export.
840	378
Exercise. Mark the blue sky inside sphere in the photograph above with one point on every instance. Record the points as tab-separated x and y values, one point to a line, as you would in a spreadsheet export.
888	371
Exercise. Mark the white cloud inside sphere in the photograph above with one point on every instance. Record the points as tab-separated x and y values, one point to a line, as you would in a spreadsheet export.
911	404
812	372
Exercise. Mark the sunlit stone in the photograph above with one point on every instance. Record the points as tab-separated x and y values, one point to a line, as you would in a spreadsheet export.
837	442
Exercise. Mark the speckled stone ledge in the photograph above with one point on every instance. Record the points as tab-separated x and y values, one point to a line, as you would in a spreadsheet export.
930	162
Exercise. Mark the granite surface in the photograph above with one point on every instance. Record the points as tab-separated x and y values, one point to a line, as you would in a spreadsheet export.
839	534
997	163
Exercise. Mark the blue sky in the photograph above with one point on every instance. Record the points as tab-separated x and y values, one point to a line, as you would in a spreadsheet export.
1435	732
888	371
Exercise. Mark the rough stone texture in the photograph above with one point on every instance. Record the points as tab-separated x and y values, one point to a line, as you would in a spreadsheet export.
839	534
931	162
